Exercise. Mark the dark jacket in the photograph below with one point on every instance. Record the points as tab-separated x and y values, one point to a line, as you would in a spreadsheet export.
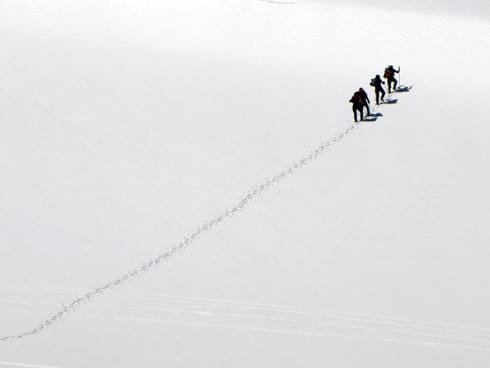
356	101
377	82
390	72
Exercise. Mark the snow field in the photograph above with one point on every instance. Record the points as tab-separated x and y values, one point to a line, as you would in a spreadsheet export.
124	125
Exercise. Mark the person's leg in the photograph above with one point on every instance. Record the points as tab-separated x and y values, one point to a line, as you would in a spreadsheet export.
377	96
355	112
361	113
383	95
395	82
367	107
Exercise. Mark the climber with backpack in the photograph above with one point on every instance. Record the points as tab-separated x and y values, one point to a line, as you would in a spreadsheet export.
377	83
357	105
389	75
364	99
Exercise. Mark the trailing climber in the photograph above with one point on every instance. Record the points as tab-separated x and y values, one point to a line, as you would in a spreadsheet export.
357	105
390	77
364	99
377	83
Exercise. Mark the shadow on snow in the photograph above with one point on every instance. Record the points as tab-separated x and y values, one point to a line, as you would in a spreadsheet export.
403	89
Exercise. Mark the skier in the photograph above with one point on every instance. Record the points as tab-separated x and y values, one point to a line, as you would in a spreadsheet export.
390	76
377	83
357	105
364	99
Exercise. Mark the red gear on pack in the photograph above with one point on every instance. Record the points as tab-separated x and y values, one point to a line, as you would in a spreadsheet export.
388	73
362	94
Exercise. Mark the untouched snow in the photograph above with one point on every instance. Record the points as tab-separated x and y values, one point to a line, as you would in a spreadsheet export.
127	124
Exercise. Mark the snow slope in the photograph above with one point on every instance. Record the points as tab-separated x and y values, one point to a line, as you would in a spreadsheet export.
127	124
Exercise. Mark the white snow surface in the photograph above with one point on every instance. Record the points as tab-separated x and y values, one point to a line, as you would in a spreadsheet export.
126	124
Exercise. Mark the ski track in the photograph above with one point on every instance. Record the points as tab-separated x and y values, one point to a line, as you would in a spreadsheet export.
190	238
26	365
307	333
220	304
262	314
393	336
424	337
